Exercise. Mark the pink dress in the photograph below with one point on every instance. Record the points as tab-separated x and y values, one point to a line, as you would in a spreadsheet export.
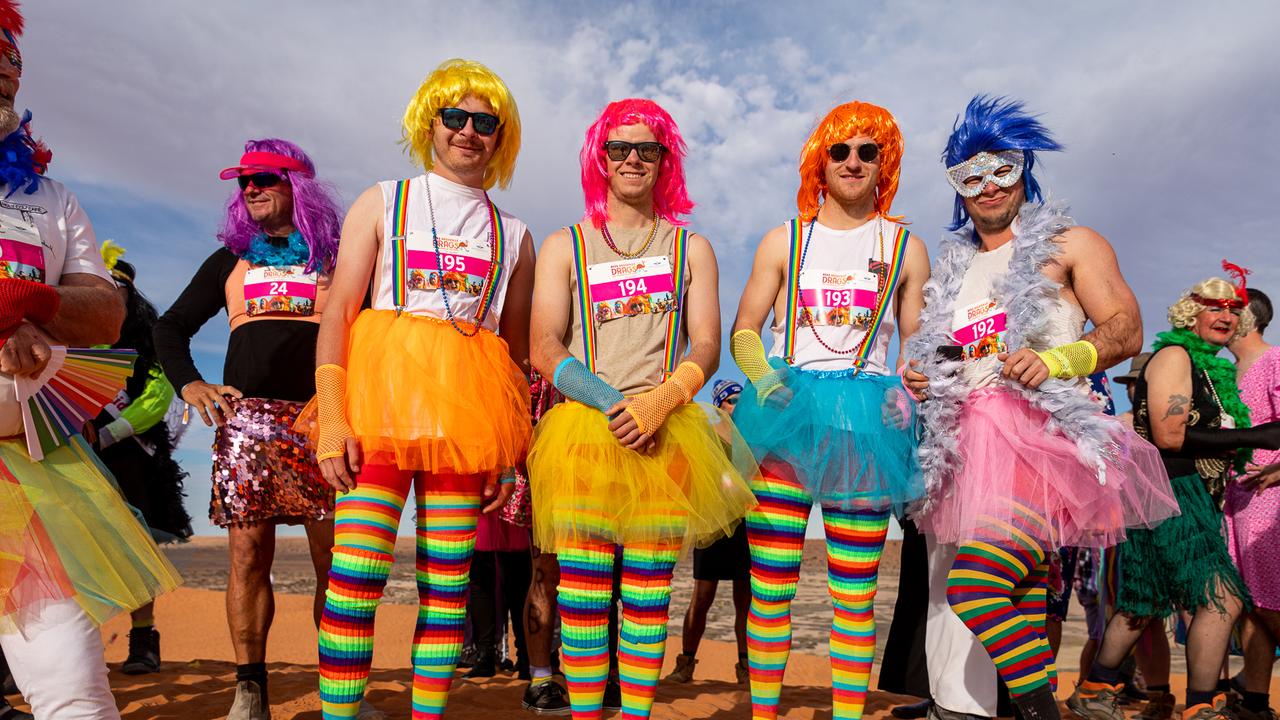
1253	519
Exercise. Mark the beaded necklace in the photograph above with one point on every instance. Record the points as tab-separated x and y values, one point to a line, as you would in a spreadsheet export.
608	240
435	244
881	296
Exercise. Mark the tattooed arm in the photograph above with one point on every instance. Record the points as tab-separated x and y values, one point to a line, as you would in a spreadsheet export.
1168	377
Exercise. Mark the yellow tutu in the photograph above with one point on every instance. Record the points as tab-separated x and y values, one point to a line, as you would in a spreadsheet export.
422	396
66	532
690	489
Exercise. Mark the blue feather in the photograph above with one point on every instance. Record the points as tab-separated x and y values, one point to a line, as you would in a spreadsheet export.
17	164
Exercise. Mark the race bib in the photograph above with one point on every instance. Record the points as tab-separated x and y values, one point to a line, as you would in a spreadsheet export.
631	287
980	330
837	299
283	290
463	265
21	255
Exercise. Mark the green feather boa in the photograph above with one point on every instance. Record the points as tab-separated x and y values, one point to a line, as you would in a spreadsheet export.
1222	375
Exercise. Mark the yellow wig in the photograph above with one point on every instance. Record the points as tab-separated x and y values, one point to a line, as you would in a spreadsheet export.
1182	314
445	87
842	123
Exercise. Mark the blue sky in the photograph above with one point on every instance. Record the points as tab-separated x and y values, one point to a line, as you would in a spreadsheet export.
1167	111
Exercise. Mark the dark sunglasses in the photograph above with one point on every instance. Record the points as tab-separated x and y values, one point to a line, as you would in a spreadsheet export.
619	150
260	180
867	152
456	119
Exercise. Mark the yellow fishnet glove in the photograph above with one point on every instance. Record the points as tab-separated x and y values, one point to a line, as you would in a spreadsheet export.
651	408
748	352
1077	359
331	411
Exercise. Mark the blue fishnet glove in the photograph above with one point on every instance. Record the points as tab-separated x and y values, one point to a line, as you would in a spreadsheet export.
576	382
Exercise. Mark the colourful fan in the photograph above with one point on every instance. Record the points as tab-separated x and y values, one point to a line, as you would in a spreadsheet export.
73	389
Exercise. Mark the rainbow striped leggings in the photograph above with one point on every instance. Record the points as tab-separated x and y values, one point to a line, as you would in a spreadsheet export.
364	538
997	585
585	592
775	532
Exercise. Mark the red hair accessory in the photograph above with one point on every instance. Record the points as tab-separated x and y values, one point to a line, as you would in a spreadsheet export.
1239	274
259	160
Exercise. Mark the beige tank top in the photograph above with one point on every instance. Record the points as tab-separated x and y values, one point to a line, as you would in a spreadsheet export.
630	310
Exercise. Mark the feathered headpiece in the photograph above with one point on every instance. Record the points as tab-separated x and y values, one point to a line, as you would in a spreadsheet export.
1239	273
112	257
996	123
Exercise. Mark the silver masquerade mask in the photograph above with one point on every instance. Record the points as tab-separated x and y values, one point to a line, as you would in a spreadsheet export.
1004	168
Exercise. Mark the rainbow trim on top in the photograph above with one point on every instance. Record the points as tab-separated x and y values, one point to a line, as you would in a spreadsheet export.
584	298
495	269
675	318
399	252
794	259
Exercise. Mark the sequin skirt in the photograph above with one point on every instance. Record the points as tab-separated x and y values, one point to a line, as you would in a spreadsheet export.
263	470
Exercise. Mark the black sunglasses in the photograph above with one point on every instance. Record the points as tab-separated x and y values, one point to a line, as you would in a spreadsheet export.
456	119
867	152
619	150
260	180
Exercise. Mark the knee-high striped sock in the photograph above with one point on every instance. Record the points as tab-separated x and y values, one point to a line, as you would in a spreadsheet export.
980	589
448	507
642	641
364	533
775	534
1030	598
585	592
855	540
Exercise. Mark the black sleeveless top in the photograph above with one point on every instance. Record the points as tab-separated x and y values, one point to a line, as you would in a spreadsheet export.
1204	412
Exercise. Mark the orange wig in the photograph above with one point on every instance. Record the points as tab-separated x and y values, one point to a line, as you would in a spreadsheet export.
842	123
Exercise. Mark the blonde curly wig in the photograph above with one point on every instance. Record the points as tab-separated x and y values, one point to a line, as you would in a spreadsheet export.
1182	314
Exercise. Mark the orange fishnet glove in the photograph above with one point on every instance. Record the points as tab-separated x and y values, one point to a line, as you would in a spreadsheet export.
1077	359
651	408
331	411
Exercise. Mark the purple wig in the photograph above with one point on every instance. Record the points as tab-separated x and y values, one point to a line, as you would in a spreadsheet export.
316	212
670	198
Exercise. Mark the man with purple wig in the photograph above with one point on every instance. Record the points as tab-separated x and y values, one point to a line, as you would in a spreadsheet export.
280	241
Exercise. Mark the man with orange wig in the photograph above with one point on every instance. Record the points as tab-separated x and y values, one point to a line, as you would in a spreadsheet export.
829	420
426	388
628	464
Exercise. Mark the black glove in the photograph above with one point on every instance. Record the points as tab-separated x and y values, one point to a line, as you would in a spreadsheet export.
1221	441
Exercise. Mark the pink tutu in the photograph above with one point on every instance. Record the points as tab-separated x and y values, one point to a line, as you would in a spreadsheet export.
1013	472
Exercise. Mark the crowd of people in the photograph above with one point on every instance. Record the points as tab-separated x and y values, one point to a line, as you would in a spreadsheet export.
542	418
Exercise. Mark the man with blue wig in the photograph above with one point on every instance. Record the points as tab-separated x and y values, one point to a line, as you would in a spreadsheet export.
1018	458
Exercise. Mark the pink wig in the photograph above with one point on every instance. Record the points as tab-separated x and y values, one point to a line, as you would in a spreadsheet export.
670	198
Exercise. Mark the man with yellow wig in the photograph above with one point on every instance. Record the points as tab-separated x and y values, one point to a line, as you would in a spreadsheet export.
425	389
840	279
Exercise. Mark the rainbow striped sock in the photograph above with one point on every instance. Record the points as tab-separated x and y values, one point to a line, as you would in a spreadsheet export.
855	540
775	534
1030	598
446	539
364	532
642	642
585	593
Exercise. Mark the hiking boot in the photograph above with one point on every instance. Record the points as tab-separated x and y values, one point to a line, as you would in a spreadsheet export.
1039	704
912	711
1096	701
684	669
1159	706
484	666
612	694
1208	711
144	652
249	703
743	672
546	698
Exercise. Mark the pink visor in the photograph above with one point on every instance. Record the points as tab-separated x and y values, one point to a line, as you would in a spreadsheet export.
257	161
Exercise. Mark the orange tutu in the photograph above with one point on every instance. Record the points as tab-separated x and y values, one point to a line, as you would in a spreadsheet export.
422	396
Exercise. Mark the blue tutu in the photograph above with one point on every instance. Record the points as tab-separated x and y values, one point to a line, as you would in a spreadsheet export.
849	437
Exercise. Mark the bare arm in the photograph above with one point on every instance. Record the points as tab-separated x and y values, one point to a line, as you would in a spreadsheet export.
357	252
910	298
702	306
552	300
90	311
761	292
514	327
1104	295
1168	375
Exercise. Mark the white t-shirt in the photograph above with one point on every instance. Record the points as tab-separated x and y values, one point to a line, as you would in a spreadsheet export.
43	236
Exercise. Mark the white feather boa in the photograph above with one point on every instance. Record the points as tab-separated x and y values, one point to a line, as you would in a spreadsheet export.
1028	297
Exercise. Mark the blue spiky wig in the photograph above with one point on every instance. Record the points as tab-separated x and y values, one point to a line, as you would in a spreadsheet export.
991	124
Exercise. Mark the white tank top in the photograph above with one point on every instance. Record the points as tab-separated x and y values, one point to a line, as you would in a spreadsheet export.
840	261
462	224
976	304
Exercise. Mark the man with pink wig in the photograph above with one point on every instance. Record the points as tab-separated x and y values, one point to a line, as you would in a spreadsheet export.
626	322
271	276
